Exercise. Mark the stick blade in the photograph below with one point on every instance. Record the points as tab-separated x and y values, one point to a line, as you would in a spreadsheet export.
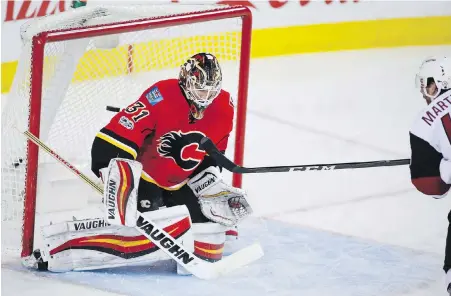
239	259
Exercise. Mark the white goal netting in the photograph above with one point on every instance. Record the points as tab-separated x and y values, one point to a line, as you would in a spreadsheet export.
80	78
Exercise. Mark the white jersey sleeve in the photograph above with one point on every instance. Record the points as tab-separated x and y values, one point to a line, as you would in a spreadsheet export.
430	142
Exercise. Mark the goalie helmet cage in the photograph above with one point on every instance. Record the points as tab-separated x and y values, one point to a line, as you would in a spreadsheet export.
76	63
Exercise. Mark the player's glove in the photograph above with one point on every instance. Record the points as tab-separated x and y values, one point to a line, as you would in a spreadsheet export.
219	202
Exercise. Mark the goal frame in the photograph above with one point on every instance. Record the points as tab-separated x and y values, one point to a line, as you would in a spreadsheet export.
36	79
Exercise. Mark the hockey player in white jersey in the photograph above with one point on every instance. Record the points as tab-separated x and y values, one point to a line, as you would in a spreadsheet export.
430	139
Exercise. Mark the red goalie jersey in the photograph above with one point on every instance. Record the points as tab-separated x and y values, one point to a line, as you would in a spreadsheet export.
157	131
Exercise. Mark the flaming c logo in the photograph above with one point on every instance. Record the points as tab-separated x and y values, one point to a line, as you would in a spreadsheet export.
183	148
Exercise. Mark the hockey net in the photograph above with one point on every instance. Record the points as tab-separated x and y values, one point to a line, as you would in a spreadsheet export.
75	64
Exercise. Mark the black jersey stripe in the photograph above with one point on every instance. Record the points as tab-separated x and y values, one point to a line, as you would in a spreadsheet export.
118	141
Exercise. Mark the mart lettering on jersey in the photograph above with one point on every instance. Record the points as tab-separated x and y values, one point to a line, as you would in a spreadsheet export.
439	106
154	96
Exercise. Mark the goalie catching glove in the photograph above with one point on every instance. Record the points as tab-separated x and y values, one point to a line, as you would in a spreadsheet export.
219	202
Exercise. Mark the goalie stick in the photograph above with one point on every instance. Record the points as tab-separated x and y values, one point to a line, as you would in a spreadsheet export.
211	149
198	267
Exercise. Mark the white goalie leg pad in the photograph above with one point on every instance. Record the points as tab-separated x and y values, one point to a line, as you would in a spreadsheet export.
121	181
209	239
219	202
94	244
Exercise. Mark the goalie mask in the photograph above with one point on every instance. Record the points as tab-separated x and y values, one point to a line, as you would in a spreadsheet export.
434	71
201	80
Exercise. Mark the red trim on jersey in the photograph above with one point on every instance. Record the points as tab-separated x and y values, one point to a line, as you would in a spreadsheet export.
431	185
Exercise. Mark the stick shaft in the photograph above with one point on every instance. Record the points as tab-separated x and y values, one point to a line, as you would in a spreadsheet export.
223	161
47	149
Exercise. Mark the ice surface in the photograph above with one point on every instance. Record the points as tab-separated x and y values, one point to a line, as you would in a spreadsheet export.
297	260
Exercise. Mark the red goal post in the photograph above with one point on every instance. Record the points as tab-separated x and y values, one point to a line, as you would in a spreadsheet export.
43	38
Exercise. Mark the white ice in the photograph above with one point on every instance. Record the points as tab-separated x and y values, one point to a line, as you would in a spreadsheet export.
351	232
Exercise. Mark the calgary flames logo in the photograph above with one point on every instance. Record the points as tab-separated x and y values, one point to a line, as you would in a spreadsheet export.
183	148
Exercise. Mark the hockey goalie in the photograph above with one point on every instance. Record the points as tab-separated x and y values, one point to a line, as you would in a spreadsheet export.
150	163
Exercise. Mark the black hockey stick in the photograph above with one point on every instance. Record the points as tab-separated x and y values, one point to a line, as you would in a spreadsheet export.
207	145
